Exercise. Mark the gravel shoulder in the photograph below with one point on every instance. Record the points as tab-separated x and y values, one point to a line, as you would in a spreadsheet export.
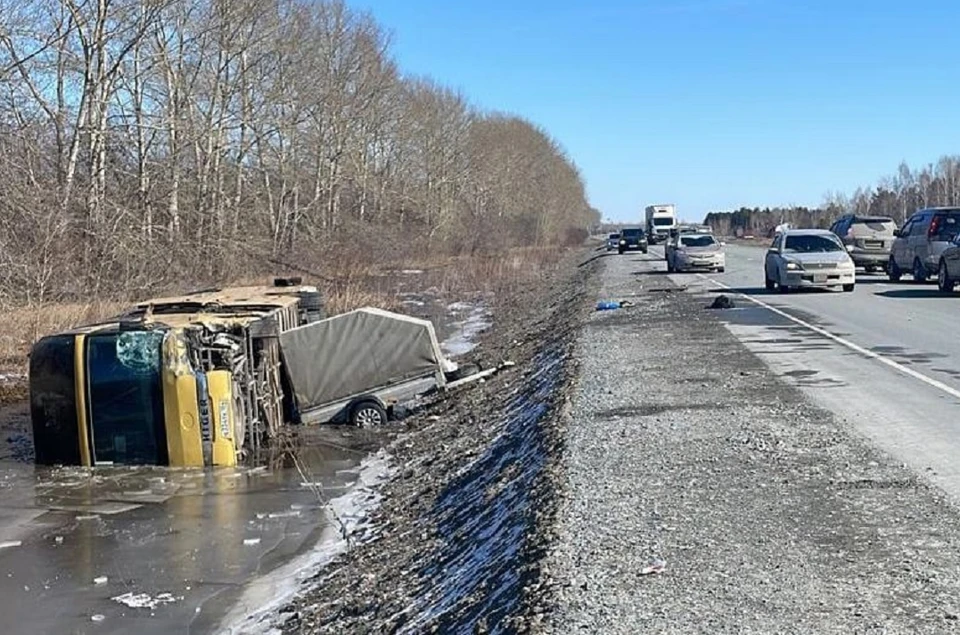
770	515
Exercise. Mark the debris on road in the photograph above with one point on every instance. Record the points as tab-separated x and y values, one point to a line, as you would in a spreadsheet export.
100	580
722	302
610	305
657	565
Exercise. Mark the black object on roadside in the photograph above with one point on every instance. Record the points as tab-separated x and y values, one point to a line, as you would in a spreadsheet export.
722	302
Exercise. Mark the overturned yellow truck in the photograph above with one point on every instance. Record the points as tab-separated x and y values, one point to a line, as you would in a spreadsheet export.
200	379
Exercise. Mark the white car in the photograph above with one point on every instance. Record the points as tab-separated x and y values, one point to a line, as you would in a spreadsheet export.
695	252
808	258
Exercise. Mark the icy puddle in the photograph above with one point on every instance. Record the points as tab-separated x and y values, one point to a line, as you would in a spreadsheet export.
154	550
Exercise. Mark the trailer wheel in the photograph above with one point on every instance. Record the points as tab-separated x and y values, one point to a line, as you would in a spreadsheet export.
368	414
463	371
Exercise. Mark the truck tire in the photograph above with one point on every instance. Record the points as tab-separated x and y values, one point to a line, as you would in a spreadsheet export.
368	414
944	282
312	304
893	270
919	271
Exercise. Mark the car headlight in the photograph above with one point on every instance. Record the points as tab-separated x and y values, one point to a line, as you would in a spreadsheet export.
794	266
623	242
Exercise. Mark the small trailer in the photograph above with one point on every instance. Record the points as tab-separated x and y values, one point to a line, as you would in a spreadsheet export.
200	379
357	366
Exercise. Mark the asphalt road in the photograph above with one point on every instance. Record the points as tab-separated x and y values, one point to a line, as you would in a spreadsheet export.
885	358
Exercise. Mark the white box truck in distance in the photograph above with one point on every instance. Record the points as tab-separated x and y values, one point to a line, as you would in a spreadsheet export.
660	220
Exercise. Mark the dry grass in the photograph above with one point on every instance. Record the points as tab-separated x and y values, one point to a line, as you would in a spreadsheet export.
344	289
22	326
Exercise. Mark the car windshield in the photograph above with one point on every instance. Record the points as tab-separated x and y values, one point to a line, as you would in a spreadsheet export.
697	241
632	233
613	236
811	243
663	221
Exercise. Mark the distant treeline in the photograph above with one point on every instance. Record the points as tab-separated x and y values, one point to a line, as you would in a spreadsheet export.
761	222
896	196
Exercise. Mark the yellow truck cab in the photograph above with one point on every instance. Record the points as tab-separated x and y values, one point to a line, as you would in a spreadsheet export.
174	381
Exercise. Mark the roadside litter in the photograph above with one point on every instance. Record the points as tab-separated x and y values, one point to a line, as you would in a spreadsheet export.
610	305
722	302
657	565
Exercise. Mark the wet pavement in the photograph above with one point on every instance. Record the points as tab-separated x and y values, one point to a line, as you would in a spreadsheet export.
154	550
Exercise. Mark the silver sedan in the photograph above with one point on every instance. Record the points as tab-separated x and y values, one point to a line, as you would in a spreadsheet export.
808	258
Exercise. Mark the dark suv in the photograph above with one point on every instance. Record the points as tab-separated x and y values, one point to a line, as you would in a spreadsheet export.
632	239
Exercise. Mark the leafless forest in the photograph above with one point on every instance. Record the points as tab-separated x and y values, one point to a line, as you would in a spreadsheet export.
149	144
896	196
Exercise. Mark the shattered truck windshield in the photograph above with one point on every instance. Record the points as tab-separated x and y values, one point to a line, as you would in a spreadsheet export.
125	399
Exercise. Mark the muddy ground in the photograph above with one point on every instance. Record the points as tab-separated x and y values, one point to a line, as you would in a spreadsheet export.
461	529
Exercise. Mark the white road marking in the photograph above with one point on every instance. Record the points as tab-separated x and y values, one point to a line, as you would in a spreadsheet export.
939	385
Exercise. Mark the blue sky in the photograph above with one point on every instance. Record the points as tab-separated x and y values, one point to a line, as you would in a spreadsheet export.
709	104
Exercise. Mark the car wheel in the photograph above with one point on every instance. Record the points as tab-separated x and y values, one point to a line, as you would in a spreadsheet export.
620	251
644	250
782	288
944	282
670	267
919	271
893	270
848	288
720	269
768	283
368	414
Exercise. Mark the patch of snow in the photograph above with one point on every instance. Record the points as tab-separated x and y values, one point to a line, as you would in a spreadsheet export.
144	600
348	522
413	303
10	543
411	272
462	341
249	542
100	580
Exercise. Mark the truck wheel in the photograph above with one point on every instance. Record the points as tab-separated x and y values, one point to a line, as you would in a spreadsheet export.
919	271
368	414
944	282
893	270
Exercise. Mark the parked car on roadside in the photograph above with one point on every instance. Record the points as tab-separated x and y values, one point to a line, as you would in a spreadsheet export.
632	239
613	240
868	239
691	252
808	258
921	241
948	269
